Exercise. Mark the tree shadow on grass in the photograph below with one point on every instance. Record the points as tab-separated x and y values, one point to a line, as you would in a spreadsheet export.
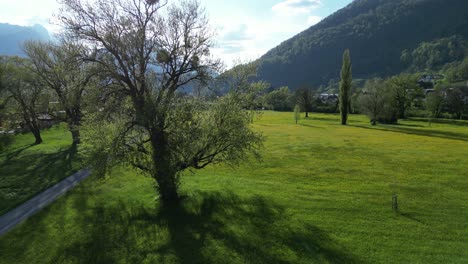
407	125
334	118
419	132
15	153
412	217
6	141
453	122
212	228
27	175
309	125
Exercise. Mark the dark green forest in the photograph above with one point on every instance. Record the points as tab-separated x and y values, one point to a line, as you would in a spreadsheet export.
385	38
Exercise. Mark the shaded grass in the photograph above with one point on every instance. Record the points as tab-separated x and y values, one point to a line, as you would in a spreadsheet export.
408	129
321	195
6	141
442	121
208	227
27	169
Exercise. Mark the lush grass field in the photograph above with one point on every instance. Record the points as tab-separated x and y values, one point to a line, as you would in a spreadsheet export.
26	169
322	194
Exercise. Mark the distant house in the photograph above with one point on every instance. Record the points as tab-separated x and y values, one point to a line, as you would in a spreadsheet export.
428	91
46	120
428	81
328	98
431	77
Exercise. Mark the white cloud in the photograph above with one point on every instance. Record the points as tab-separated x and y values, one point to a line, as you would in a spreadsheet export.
294	7
247	38
28	13
312	20
239	32
242	36
238	41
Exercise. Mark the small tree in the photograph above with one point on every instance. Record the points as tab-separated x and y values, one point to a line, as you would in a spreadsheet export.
456	102
305	97
345	86
297	113
25	93
434	103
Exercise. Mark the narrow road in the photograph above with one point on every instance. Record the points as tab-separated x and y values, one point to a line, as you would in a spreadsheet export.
35	204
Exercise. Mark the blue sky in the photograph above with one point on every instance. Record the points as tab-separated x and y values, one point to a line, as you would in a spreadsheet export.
246	29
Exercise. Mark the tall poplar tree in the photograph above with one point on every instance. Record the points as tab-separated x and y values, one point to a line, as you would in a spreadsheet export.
345	86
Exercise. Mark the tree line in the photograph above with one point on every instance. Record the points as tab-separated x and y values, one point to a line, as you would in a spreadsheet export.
383	100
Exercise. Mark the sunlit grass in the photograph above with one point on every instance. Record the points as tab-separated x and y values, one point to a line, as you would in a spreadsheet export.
27	169
322	193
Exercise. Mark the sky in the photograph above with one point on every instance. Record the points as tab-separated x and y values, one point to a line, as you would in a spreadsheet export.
246	29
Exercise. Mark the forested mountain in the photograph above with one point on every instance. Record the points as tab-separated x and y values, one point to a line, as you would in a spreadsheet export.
378	33
12	36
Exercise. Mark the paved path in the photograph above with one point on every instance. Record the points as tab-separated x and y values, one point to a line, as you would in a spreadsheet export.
35	204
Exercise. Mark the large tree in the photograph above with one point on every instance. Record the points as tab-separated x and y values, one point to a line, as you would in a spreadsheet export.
405	88
62	68
372	100
279	99
24	92
378	101
345	87
150	50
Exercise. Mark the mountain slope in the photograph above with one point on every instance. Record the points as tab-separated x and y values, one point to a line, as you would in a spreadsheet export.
12	36
376	32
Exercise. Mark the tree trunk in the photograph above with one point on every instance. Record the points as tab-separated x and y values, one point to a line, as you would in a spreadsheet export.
167	186
37	136
164	173
31	123
403	113
74	123
307	114
75	135
344	118
74	128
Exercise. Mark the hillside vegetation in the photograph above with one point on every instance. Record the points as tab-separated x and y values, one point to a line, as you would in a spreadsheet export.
376	31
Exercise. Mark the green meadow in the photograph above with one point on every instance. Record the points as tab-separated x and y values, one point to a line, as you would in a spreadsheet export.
27	169
322	193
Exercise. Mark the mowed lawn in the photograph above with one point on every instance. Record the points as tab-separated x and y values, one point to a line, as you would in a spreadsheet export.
27	169
321	194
